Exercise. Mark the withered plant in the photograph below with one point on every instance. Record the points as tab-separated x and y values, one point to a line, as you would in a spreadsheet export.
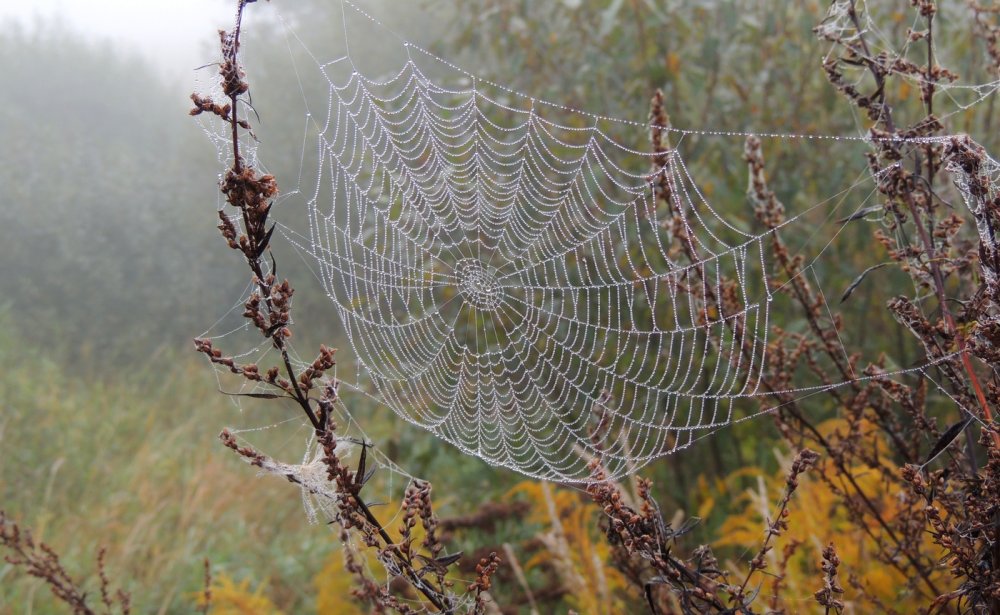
943	536
42	562
419	565
939	461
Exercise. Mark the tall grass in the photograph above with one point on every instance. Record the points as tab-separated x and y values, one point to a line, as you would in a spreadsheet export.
131	462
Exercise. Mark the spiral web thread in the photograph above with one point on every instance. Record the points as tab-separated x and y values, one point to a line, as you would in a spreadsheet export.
508	279
495	281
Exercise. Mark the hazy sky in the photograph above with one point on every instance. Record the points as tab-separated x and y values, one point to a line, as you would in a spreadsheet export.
167	31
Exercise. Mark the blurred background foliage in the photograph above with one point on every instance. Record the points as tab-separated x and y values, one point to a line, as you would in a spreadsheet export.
111	263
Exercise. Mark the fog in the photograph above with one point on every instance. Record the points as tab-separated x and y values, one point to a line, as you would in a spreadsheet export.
173	35
110	248
109	228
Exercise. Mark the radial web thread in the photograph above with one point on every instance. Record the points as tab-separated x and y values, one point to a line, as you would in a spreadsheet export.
509	278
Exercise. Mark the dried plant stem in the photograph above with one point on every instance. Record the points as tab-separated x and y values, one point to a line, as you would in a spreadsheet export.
512	560
269	310
664	190
950	320
769	211
42	562
255	262
928	98
885	116
206	592
803	461
350	501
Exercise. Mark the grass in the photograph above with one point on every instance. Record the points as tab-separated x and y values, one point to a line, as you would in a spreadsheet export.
131	462
128	458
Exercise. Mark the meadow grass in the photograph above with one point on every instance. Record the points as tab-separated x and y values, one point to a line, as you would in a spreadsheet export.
130	461
127	457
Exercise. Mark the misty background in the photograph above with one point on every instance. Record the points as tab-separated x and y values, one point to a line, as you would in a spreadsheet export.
110	248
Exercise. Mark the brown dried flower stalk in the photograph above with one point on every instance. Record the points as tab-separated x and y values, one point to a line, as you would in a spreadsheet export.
269	308
829	596
41	561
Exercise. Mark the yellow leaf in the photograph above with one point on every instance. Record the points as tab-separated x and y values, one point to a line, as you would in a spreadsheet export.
706	507
904	90
231	598
673	63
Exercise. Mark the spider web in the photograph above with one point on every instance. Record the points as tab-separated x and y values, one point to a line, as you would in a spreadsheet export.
498	282
509	277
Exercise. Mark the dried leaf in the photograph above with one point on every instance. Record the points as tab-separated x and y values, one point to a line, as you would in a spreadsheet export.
266	241
361	478
946	439
448	560
861	213
255	395
857	281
